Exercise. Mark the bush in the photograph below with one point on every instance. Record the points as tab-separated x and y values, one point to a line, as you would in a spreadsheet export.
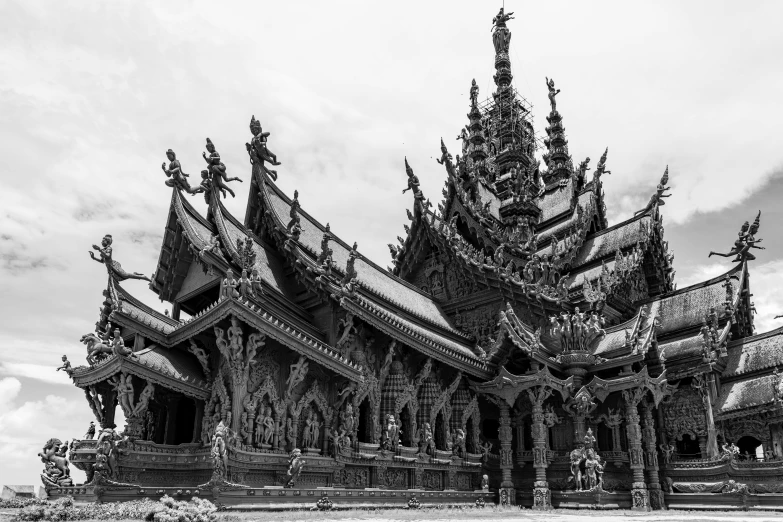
18	503
166	510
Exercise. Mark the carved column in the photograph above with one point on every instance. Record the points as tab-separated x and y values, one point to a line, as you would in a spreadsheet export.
639	498
542	497
507	492
651	457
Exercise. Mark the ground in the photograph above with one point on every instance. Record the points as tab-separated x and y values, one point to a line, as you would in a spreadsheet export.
506	515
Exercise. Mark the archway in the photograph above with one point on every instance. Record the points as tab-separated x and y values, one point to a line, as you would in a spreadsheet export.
470	440
440	431
185	419
750	447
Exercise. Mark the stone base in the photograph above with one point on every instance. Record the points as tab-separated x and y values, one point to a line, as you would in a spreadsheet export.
311	451
508	496
640	498
656	498
542	496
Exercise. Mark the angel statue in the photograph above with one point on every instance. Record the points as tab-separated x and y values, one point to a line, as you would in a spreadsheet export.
550	84
745	241
114	267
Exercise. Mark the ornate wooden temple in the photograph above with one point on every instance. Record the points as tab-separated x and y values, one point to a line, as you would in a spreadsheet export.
519	349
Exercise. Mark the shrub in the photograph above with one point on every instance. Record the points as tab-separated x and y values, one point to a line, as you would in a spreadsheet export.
166	510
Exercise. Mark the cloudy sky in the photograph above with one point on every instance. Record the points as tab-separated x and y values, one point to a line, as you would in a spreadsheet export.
94	92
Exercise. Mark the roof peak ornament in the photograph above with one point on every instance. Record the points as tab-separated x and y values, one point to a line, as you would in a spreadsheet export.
413	182
115	269
501	36
745	241
656	200
257	148
217	170
178	177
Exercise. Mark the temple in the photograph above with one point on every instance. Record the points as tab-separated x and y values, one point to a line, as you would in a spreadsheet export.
518	350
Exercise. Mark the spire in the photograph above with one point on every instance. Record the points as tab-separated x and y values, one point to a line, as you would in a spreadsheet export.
477	151
557	158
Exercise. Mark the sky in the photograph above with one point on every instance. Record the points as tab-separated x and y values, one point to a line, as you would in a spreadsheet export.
92	94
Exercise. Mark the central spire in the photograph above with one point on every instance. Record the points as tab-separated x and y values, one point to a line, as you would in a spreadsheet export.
501	38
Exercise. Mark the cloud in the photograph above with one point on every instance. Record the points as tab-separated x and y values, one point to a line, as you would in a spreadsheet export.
26	425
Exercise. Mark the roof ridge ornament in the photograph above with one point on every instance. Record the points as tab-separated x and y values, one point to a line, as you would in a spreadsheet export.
656	200
113	267
178	177
413	182
745	241
217	170
294	227
257	148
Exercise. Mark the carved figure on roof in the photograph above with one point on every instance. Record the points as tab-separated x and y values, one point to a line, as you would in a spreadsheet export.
600	169
114	267
212	245
295	465
256	282
257	148
350	270
413	181
245	285
56	472
394	250
656	200
177	175
66	366
218	170
297	374
228	287
501	36
550	84
96	348
474	90
745	241
445	157
118	345
583	168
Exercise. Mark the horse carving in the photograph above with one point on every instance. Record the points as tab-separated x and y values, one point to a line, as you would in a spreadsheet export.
96	348
56	473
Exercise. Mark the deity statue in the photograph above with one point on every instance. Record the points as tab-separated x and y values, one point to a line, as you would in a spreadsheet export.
550	84
501	36
486	450
583	168
66	366
257	148
114	267
576	472
118	345
315	433
426	442
295	465
458	444
391	434
245	285
56	473
144	399
668	451
296	375
228	287
589	439
218	170
90	432
202	356
744	242
484	483
593	468
123	385
212	245
256	283
177	175
219	452
244	427
307	433
347	420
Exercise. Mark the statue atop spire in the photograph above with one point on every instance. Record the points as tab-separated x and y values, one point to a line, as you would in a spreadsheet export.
656	200
501	36
745	241
550	83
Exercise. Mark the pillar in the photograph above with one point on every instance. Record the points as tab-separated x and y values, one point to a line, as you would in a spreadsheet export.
712	432
651	457
542	498
639	496
507	492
